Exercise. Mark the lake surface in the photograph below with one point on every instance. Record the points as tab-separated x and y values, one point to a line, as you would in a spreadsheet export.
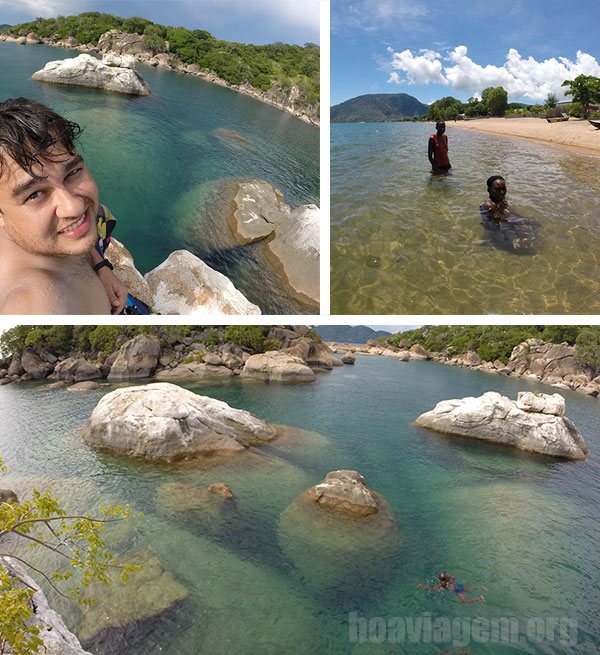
406	242
524	527
163	162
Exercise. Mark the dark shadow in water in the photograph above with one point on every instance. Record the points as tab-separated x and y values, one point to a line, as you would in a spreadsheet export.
517	234
142	636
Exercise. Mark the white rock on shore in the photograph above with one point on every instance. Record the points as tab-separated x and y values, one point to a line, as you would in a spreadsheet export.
540	427
86	70
184	284
277	365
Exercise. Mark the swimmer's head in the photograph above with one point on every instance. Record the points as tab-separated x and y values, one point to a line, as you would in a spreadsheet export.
492	179
496	187
442	576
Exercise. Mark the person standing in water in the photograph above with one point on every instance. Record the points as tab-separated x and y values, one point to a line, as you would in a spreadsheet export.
438	150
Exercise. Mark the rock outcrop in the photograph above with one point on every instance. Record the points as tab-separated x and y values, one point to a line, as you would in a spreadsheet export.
277	365
57	638
339	533
165	422
136	359
184	284
76	369
345	492
259	211
86	70
533	424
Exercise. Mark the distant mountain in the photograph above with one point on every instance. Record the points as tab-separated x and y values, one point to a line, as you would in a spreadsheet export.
349	334
3	25
377	108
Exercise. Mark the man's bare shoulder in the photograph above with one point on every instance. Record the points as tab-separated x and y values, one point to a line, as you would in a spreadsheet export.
35	292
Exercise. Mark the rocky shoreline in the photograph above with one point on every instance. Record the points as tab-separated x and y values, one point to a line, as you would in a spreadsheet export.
186	358
538	361
122	43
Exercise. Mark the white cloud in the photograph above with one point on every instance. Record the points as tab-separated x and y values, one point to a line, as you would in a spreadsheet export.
521	77
420	69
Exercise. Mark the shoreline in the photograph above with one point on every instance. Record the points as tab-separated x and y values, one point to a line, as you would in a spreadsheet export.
471	361
572	135
182	68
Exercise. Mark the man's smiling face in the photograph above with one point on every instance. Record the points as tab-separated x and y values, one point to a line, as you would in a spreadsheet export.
52	211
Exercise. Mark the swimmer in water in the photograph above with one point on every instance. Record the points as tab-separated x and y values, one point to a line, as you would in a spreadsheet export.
449	582
498	217
437	150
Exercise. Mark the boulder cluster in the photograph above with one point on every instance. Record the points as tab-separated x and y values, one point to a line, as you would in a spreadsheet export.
536	360
185	358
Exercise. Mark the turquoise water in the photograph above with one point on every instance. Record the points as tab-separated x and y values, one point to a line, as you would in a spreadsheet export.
162	162
526	528
405	242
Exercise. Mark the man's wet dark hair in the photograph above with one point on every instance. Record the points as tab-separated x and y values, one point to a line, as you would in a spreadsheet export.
28	130
492	179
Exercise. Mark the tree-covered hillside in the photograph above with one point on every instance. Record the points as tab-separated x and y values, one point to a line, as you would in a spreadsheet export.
277	65
493	342
378	107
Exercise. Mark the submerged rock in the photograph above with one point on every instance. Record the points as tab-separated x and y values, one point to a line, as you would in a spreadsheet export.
163	421
259	211
86	70
338	533
149	593
532	424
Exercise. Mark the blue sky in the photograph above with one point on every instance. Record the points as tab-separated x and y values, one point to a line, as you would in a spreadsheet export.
435	48
245	21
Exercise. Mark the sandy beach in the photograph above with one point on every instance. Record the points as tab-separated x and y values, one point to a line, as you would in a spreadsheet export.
573	134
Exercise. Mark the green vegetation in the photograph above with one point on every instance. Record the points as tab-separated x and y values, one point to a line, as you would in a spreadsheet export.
585	90
492	342
41	522
551	101
275	67
253	337
447	108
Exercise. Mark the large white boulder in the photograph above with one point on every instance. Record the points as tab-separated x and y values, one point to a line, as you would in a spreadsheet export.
184	284
86	70
163	421
496	418
277	365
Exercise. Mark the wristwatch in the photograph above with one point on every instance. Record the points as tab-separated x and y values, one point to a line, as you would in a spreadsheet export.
102	264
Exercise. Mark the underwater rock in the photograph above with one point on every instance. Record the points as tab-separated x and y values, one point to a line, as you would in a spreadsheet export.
496	418
338	532
149	592
165	422
86	70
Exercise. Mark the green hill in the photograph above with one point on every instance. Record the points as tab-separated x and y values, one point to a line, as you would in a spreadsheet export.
275	68
349	333
378	108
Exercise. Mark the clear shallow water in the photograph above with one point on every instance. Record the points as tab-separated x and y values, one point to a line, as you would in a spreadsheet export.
524	527
162	162
405	242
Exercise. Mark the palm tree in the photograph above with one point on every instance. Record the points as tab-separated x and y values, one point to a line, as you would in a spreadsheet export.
551	101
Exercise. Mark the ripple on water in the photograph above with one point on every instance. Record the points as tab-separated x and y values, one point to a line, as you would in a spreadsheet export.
386	196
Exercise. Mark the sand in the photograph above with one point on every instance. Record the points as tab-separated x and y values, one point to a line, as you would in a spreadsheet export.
577	135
